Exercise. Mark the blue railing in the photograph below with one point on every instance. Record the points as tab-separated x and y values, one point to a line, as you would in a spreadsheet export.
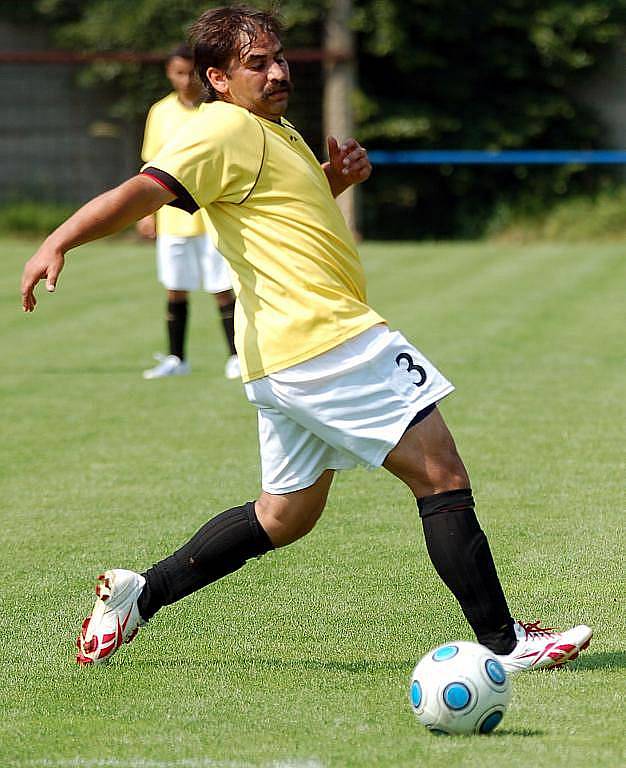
504	157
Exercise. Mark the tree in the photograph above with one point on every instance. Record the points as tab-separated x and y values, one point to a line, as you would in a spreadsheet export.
339	87
432	74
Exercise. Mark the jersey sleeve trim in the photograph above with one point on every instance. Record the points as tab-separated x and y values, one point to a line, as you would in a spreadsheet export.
183	199
258	176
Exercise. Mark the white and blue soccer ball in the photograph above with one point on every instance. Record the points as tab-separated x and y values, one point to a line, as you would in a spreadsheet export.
460	688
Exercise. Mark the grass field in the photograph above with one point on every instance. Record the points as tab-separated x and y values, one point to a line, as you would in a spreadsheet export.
302	659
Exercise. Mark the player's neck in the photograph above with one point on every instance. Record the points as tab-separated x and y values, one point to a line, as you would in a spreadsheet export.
189	103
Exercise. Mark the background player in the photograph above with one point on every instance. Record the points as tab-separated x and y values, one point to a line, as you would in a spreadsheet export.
334	387
186	256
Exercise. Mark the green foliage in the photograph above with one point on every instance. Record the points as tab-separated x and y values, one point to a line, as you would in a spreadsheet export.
600	217
494	74
32	218
490	74
149	26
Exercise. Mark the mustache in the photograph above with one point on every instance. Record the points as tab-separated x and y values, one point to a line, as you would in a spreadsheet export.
284	86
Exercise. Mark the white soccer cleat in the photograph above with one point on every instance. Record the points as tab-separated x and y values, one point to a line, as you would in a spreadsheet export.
115	618
232	369
541	647
169	365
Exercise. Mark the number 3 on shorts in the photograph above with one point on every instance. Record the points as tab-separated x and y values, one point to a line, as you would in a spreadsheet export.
404	357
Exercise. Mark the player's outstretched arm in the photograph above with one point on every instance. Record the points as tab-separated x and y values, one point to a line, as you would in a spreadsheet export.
104	215
347	164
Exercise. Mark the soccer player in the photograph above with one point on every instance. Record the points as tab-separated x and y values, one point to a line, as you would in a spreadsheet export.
186	256
333	385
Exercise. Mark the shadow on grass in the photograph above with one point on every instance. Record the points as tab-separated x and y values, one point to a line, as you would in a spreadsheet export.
612	660
587	661
361	667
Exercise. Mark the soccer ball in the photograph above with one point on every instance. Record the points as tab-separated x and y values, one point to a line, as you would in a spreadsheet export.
459	688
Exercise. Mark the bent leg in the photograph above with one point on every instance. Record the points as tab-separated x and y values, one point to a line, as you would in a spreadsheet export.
426	459
290	516
226	542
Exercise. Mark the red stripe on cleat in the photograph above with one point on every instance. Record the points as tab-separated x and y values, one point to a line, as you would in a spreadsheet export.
566	647
91	646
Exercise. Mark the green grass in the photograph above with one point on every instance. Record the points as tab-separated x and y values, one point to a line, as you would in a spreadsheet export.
302	659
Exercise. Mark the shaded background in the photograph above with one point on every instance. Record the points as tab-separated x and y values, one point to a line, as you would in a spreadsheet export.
77	78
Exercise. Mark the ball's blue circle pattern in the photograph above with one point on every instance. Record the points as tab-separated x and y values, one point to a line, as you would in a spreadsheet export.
416	694
490	722
495	671
457	696
445	653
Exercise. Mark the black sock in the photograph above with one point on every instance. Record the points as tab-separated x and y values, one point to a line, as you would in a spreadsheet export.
460	553
220	547
177	312
227	313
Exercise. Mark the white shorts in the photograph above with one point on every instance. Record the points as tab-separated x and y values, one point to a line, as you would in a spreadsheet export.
348	406
190	263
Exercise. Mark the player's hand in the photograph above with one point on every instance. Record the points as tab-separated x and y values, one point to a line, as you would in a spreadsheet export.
349	160
146	227
46	265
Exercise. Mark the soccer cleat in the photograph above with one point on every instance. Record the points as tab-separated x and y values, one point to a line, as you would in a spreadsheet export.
542	647
232	369
168	365
115	618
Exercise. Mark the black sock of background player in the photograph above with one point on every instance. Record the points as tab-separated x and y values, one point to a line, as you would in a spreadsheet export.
460	553
220	547
177	312
227	313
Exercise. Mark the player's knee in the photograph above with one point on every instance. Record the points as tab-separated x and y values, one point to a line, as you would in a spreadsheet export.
447	473
286	522
432	472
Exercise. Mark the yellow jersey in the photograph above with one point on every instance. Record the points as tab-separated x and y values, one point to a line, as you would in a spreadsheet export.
298	277
164	119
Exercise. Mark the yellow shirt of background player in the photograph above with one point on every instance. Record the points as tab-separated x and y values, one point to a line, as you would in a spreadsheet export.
297	271
164	119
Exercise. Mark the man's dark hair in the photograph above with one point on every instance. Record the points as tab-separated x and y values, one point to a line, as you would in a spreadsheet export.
182	51
222	33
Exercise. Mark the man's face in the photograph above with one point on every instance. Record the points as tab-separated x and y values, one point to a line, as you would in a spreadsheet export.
259	80
181	74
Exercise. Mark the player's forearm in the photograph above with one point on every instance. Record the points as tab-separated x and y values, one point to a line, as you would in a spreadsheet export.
110	212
